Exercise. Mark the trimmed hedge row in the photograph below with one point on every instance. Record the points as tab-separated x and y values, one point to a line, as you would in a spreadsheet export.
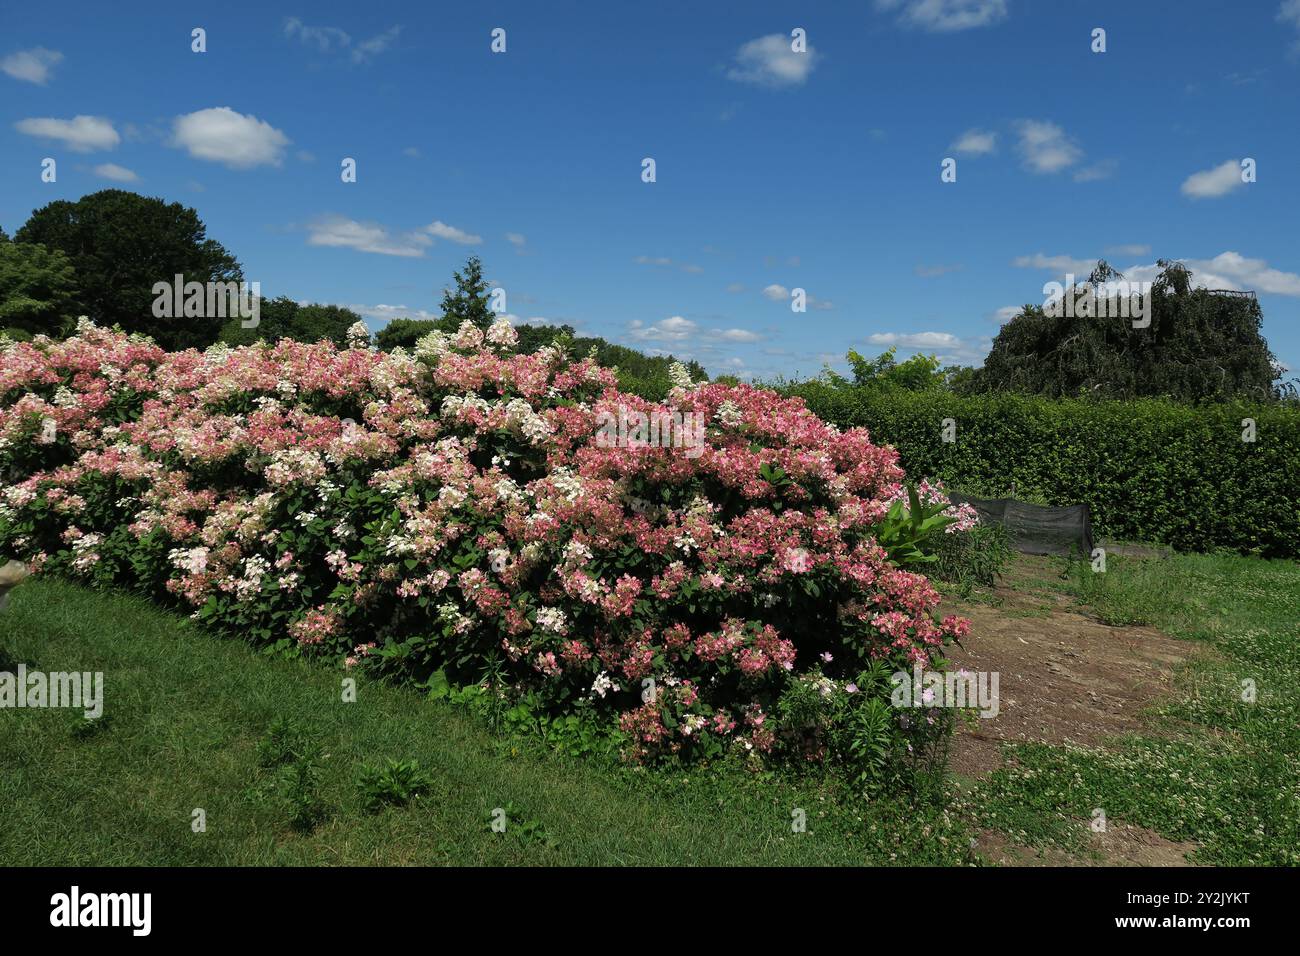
1150	470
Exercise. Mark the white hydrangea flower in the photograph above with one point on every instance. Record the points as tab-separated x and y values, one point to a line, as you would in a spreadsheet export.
552	619
729	415
358	336
468	336
432	346
502	334
603	684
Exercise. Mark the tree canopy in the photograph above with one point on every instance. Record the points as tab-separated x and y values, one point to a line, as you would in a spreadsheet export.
38	289
120	244
1200	345
468	300
283	318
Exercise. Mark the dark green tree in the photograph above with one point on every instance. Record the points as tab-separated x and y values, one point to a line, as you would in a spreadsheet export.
1200	345
38	289
274	322
404	332
283	318
315	322
120	244
469	300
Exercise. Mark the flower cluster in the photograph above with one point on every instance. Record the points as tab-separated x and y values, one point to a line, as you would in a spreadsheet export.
451	509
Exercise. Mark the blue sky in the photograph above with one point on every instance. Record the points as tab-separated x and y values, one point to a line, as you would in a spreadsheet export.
775	170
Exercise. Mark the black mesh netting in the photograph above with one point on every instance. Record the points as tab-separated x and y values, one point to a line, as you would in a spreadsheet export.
1036	529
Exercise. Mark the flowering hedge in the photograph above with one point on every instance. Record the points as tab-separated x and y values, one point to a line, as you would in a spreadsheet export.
450	512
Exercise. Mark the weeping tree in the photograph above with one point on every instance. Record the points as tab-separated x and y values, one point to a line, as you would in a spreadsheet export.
1199	345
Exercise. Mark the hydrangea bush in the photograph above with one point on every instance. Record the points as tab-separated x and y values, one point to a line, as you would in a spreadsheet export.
448	513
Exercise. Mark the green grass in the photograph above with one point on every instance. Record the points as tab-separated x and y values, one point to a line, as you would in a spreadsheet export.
184	715
1215	769
275	758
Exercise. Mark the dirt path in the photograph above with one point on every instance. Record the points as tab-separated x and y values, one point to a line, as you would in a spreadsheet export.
1064	678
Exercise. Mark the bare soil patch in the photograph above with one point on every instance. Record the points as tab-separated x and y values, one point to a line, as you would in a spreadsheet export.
1120	845
1064	678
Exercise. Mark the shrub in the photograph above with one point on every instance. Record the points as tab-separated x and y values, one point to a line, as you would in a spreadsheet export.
452	515
851	724
1149	469
976	557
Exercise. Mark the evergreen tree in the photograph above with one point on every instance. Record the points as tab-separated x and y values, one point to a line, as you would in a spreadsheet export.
469	300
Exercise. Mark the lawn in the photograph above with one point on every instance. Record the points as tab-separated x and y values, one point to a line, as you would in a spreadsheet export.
188	718
184	714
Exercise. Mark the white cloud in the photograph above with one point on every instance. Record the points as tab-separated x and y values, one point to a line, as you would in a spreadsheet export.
769	61
915	340
949	349
221	135
1250	273
1045	147
1228	270
672	329
779	293
441	230
375	45
677	331
333	39
116	173
81	134
737	335
387	313
32	66
346	233
666	262
1099	170
930	272
1131	249
1289	12
945	16
1005	314
975	142
1060	264
1212	183
324	39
